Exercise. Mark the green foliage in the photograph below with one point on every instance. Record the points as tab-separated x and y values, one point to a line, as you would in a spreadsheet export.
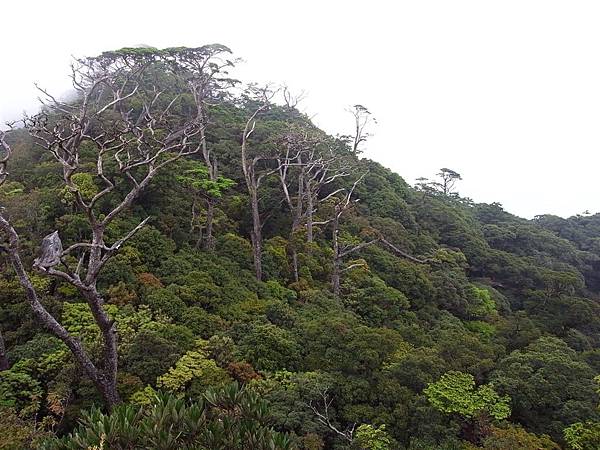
514	437
193	368
583	435
268	347
455	392
196	177
19	433
484	305
231	418
369	437
549	385
84	183
19	390
429	352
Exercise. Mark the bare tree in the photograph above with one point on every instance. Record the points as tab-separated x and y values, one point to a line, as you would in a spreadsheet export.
254	173
299	167
134	131
322	411
323	172
5	153
342	200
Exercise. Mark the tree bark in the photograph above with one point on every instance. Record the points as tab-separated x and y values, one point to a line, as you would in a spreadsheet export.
108	384
253	183
309	217
337	258
256	235
3	356
211	164
209	241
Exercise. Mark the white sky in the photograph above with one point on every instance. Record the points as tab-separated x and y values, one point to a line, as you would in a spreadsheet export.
505	92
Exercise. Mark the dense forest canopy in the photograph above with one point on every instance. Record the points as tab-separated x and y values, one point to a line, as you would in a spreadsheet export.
189	263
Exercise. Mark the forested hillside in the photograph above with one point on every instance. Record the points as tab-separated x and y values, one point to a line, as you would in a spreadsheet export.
225	275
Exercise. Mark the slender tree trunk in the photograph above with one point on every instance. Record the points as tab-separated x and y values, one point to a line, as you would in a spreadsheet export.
335	277
337	260
256	235
193	225
309	218
292	244
209	242
252	183
211	164
295	264
3	356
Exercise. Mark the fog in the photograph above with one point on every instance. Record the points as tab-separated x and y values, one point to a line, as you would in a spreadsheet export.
505	93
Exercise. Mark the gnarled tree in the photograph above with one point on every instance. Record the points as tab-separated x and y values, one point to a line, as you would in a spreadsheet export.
342	200
123	127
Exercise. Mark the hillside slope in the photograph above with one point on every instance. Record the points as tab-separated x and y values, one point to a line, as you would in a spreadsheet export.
456	324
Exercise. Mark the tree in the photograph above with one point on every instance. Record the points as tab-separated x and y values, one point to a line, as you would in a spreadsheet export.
515	437
321	164
448	179
119	132
316	165
322	409
5	152
445	185
455	393
549	385
203	185
584	435
205	69
362	118
342	201
3	355
369	437
255	170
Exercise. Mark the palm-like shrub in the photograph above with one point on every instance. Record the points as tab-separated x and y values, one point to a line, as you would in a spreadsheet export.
229	418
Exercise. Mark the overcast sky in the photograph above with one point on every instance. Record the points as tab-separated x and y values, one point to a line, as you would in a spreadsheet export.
507	93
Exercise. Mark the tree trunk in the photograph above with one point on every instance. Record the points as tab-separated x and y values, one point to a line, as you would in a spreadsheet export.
209	243
256	235
337	260
211	164
193	222
295	264
335	277
309	218
106	385
107	379
3	356
292	242
108	388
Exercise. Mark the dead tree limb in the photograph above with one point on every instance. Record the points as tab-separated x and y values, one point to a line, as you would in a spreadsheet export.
322	412
132	121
